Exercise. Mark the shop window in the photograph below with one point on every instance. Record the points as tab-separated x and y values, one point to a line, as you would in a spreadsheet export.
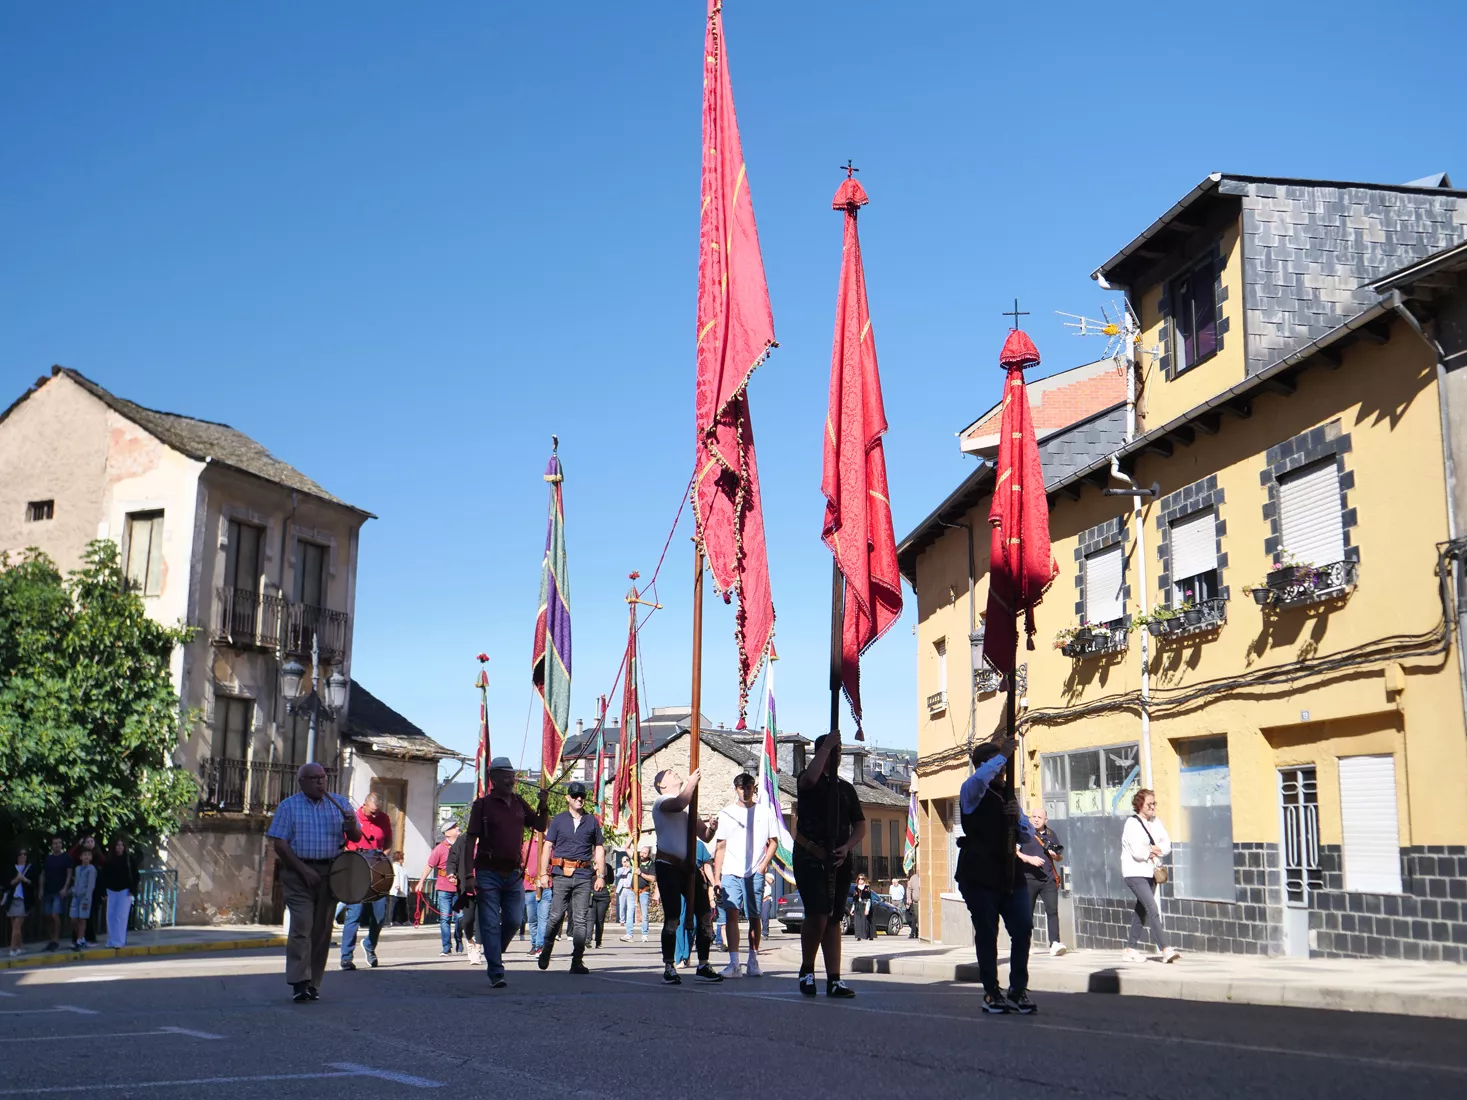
1202	856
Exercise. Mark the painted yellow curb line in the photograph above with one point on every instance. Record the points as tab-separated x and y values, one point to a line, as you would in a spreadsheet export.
104	953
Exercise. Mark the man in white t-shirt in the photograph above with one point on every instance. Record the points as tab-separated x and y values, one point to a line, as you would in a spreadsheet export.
674	867
743	846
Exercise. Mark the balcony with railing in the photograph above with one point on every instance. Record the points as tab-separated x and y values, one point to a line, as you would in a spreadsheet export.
246	619
1299	585
1094	639
250	786
937	703
1192	619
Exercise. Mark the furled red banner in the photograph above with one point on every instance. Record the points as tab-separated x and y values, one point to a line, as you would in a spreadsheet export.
1021	563
551	670
858	527
626	791
735	333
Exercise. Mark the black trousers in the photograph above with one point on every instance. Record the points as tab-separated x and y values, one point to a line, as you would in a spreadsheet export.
1015	907
672	885
1047	891
600	903
572	893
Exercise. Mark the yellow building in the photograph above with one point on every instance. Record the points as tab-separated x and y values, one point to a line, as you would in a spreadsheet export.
1264	634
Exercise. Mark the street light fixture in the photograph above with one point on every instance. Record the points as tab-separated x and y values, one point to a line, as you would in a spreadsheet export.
291	675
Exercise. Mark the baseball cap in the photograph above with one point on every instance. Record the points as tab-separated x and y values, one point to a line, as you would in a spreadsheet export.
576	790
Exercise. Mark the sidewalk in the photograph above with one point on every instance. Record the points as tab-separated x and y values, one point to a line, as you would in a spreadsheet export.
179	941
1350	985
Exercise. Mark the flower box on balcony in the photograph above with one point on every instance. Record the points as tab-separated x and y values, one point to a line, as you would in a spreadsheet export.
1301	585
1093	640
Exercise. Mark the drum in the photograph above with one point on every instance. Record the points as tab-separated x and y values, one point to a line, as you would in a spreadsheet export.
363	875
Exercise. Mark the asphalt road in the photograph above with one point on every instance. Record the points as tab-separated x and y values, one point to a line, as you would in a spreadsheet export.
223	1026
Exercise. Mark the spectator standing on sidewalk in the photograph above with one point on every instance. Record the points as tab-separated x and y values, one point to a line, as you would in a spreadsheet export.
1144	844
376	829
626	894
537	908
89	843
441	887
1040	856
914	893
55	881
991	878
20	896
308	830
861	895
399	893
600	906
120	880
644	890
822	860
83	888
743	845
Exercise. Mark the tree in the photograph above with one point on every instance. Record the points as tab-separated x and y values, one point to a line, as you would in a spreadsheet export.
88	715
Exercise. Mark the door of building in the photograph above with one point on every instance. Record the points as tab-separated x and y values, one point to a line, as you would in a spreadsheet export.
1299	828
392	793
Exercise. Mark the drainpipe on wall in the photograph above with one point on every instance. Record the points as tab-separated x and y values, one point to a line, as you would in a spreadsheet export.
1449	470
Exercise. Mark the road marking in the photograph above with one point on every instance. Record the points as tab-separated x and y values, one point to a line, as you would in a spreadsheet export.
387	1075
54	1008
5	994
1100	1033
189	1032
344	1069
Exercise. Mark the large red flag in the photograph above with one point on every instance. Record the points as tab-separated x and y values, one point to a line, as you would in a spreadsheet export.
735	333
858	527
1021	563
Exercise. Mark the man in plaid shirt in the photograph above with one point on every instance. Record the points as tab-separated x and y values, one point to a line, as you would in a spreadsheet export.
308	830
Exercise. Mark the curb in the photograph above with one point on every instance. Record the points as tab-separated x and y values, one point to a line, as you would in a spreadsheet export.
1177	985
104	954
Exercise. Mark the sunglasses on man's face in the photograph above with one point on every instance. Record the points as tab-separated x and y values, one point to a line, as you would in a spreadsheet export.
576	797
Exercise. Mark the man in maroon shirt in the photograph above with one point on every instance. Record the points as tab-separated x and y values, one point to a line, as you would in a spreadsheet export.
496	834
376	834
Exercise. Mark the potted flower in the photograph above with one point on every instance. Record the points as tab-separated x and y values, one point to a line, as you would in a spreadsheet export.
1065	636
1191	613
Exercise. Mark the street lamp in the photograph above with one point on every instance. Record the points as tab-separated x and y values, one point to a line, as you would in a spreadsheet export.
291	675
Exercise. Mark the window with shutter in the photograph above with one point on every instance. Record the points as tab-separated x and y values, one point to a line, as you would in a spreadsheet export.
1194	558
1369	825
1103	579
1310	520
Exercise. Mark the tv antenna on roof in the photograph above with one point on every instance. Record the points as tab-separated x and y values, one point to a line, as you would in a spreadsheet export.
1120	327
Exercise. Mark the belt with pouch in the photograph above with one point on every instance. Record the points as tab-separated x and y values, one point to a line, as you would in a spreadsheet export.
569	867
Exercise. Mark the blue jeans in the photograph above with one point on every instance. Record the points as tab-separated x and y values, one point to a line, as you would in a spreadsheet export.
374	912
501	903
535	917
1016	909
629	906
443	901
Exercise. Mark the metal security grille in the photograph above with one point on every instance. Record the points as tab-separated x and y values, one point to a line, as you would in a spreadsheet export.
1299	794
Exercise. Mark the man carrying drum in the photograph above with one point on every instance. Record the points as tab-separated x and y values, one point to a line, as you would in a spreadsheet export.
307	829
377	837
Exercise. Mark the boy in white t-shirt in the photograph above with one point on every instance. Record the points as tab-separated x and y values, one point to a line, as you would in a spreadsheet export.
743	846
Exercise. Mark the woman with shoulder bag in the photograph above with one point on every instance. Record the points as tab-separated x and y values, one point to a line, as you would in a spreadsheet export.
1144	844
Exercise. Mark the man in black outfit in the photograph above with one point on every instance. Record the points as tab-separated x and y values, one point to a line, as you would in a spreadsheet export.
1039	855
991	877
829	825
572	867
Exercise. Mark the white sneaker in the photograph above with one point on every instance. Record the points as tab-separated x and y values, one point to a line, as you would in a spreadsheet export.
644	937
1170	955
1056	948
752	968
732	970
1131	955
628	938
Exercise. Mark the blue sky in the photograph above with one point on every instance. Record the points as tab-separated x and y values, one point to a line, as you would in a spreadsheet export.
402	245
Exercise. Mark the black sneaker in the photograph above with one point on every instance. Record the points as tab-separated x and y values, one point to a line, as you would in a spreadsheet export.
995	1004
670	976
313	993
302	992
1021	1002
544	960
347	964
807	985
834	987
52	946
578	967
497	983
372	961
706	973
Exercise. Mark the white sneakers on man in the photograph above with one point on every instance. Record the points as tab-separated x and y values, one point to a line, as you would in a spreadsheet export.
752	969
1057	949
1131	955
732	970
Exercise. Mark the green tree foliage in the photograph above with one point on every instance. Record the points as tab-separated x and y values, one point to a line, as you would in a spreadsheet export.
88	714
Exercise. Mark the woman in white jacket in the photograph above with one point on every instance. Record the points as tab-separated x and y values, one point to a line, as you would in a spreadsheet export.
1144	844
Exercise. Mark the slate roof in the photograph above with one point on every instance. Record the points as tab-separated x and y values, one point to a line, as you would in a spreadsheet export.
456	794
198	439
378	729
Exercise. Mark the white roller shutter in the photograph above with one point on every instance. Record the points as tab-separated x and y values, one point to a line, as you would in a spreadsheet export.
1103	573
1310	519
1369	824
1194	545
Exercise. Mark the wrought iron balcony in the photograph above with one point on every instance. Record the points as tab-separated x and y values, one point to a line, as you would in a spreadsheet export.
937	703
247	619
1097	640
303	622
1202	617
987	680
1300	585
251	787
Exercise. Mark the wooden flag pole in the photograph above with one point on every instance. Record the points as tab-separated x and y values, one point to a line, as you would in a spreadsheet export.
1010	722
837	618
695	735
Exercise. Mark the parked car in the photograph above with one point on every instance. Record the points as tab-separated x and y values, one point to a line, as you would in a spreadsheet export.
789	910
886	915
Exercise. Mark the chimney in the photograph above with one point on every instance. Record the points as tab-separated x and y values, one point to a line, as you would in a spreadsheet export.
858	766
799	761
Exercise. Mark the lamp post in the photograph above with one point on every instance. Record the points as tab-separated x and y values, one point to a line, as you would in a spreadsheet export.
291	675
